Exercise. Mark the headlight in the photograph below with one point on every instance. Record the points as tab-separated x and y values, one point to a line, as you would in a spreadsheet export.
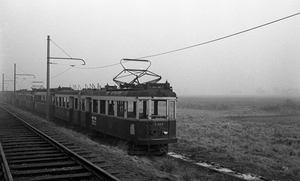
165	132
154	132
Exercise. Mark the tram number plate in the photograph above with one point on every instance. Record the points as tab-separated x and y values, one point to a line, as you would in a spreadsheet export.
158	124
94	122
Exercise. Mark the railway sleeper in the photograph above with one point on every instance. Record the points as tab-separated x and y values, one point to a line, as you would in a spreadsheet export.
34	156
42	165
22	143
28	161
29	149
31	153
20	140
60	177
48	171
28	146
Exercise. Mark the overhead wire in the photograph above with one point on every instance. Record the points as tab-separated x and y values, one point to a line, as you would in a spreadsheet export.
60	48
66	54
58	74
61	72
10	79
105	66
21	69
203	43
221	38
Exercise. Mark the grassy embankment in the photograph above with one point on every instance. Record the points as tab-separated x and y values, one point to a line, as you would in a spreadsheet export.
259	136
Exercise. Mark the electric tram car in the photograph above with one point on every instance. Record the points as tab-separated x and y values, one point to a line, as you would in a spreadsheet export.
143	114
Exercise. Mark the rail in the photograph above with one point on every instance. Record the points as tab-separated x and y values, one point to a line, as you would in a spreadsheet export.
104	175
6	170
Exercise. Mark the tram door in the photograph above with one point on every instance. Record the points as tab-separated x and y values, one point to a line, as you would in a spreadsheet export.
88	110
71	108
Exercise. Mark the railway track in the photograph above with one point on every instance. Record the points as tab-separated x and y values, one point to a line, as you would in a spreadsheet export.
29	154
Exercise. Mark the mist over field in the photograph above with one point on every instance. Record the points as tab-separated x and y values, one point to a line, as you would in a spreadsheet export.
262	62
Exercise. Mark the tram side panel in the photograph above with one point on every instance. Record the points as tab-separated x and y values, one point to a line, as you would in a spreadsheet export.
63	113
22	103
30	105
29	102
114	126
7	97
40	108
76	117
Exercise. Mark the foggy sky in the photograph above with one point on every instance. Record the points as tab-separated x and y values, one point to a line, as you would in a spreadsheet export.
265	61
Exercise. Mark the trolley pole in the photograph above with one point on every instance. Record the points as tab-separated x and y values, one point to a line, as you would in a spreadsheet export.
48	81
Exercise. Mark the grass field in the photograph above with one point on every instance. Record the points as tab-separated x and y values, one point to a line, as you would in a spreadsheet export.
249	134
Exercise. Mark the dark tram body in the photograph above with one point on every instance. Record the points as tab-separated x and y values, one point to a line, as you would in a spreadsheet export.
142	113
144	116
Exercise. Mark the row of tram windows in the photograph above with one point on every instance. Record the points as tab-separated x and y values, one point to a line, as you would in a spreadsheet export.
142	109
62	102
40	98
70	102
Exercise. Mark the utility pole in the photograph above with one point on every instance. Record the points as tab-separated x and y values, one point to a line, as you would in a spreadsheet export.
48	81
15	78
3	82
48	97
14	83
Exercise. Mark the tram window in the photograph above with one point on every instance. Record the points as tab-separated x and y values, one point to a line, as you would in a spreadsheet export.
59	102
95	106
52	100
76	103
143	109
162	108
131	109
83	104
172	105
66	102
111	108
102	106
158	109
120	108
63	101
